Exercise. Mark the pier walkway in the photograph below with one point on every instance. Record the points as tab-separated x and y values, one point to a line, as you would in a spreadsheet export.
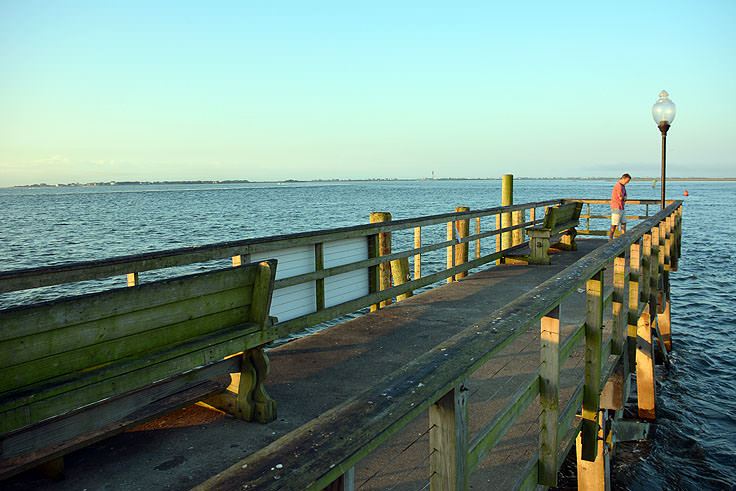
484	382
313	374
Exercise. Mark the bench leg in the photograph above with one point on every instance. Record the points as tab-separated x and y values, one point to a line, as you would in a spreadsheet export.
252	388
251	402
539	247
567	241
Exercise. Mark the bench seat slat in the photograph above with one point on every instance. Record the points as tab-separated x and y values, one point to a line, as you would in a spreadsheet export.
69	338
55	396
29	320
33	371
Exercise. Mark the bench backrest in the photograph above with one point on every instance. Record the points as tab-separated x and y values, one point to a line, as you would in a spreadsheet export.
562	214
74	335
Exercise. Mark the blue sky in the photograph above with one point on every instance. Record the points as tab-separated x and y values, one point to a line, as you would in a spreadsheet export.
276	90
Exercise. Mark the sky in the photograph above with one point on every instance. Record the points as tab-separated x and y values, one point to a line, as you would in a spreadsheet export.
177	90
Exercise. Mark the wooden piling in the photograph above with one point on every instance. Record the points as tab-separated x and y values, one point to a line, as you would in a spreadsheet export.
517	236
461	250
594	475
384	249
401	274
645	387
507	199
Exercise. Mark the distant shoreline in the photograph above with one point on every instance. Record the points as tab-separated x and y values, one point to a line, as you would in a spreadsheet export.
245	181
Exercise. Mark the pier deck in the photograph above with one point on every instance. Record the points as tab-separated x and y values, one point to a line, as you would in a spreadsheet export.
313	374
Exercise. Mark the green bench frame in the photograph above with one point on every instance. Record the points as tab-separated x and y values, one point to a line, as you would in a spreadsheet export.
76	370
560	219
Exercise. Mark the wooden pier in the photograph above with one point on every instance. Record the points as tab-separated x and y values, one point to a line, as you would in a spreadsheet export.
484	382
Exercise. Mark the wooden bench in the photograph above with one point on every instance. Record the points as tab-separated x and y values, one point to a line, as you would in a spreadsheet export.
79	369
560	219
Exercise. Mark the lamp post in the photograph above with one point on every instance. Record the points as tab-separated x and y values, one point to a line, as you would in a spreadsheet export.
663	113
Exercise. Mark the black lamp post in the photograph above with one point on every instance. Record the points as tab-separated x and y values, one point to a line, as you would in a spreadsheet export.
663	113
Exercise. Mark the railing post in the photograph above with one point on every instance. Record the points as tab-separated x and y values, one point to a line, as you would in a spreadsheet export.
646	268
593	347
346	482
499	239
618	311
549	397
451	249
319	264
417	257
461	250
477	242
634	300
654	271
133	279
448	441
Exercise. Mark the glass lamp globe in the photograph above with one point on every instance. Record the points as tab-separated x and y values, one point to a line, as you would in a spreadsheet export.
663	110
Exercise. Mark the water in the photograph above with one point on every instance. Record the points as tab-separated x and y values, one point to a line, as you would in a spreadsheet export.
695	445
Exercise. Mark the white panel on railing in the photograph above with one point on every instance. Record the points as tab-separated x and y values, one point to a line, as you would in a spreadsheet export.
297	300
350	285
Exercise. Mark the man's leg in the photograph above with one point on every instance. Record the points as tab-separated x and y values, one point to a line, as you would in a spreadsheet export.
611	232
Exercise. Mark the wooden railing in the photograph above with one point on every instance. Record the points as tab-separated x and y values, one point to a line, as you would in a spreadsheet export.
363	239
603	205
332	444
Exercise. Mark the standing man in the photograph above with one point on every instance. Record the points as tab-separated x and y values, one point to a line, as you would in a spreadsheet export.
618	200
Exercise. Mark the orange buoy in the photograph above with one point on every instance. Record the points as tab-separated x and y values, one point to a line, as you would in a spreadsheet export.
686	192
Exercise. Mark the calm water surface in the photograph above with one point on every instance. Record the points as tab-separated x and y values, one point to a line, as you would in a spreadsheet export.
695	445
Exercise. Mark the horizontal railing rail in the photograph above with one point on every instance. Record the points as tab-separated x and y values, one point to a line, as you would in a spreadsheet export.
27	278
318	453
587	216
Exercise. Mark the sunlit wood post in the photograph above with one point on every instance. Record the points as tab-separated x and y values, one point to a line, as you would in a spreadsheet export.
507	199
634	300
594	475
645	387
549	397
618	311
382	248
417	257
133	279
451	249
448	440
593	345
517	218
461	250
